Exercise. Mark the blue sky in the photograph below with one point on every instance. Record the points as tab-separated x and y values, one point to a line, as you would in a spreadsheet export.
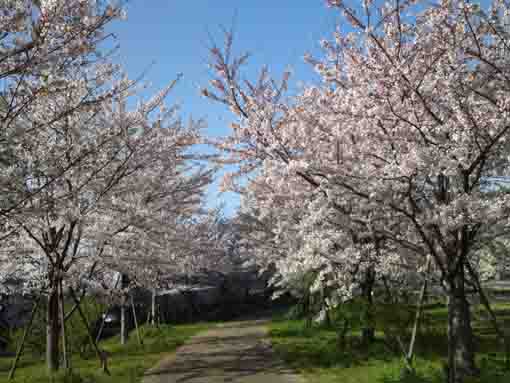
172	36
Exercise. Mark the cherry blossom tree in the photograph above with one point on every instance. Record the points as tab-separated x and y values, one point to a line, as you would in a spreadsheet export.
121	170
315	255
71	153
158	240
44	45
411	115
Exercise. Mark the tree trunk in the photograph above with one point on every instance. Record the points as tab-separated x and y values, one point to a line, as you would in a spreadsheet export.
52	330
368	332
460	334
419	312
123	327
65	356
138	335
101	327
153	307
124	283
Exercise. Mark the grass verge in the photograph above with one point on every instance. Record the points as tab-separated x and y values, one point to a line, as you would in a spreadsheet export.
127	363
315	351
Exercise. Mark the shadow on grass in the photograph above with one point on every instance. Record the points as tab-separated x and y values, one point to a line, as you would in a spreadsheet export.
437	377
127	363
318	348
432	376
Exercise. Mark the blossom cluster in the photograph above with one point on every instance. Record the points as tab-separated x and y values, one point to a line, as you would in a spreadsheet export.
380	166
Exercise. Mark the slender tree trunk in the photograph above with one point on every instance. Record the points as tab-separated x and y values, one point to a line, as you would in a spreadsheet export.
65	361
368	332
101	327
406	352
101	356
460	334
153	307
419	312
138	335
124	283
21	345
103	319
52	330
123	324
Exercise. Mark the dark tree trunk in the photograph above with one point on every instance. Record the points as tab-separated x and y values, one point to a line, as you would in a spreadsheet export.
367	287
52	330
153	307
123	325
101	327
65	356
124	282
461	353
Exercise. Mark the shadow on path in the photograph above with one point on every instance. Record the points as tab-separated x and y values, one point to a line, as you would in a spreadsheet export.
237	352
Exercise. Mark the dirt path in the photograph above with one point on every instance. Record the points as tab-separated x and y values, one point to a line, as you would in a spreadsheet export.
236	352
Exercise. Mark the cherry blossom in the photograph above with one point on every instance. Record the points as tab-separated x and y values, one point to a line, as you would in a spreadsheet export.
392	147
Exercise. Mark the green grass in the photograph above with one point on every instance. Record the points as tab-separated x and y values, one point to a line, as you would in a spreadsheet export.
126	363
315	351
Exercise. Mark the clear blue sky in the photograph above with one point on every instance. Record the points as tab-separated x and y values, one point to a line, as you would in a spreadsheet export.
173	36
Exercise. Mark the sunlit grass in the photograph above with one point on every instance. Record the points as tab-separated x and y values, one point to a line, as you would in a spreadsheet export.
315	352
127	363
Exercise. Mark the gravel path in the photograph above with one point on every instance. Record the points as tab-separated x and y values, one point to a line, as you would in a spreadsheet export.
236	352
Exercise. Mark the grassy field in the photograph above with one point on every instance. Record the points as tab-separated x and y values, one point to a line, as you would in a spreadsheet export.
126	363
315	351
